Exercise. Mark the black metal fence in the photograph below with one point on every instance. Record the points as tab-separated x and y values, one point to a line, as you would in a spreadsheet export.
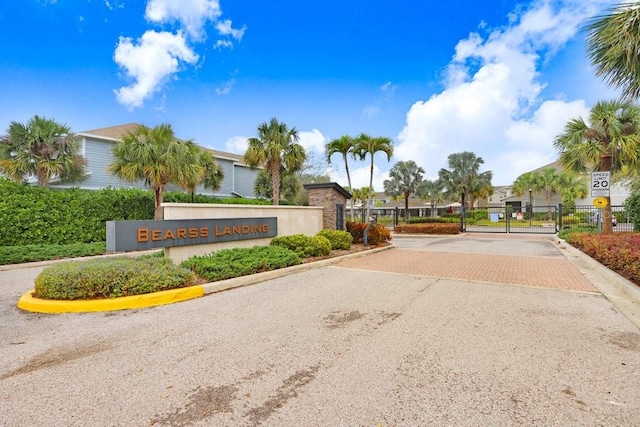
536	219
592	217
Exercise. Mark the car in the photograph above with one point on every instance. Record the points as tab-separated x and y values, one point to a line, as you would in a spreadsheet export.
593	218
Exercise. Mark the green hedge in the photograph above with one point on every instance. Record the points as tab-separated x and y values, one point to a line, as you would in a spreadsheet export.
304	246
229	263
110	278
433	228
35	215
339	239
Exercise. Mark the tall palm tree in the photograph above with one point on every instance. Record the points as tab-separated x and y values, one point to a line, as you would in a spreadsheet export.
275	147
41	148
368	145
405	177
613	43
432	191
609	141
343	145
157	157
464	170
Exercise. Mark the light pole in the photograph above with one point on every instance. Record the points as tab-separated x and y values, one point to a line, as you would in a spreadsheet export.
530	207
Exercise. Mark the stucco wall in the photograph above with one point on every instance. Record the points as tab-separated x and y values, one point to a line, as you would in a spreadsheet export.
291	220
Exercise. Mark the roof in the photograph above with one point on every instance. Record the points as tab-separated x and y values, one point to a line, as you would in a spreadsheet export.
116	132
112	132
333	185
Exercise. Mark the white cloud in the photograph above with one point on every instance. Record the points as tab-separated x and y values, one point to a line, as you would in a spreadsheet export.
313	140
191	14
371	111
237	144
223	43
225	89
150	62
225	29
491	103
113	4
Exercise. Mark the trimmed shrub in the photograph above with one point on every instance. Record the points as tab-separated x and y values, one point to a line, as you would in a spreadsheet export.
318	246
428	229
229	263
339	239
304	246
618	251
109	278
30	253
376	235
36	215
428	220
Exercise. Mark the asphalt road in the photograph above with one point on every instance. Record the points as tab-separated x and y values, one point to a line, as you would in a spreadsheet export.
333	346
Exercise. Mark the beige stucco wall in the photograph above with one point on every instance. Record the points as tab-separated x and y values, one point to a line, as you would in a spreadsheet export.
291	220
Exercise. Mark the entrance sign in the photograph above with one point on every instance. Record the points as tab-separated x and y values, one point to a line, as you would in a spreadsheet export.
600	202
140	235
600	183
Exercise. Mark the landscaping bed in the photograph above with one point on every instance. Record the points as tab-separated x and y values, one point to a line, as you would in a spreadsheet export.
619	252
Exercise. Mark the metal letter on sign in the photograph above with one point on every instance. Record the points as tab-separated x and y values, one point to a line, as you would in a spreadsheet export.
600	183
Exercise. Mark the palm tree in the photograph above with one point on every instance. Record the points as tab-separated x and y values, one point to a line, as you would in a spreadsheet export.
404	180
459	179
210	176
608	142
290	185
276	147
431	191
366	144
157	157
43	149
480	187
548	180
613	43
343	145
573	187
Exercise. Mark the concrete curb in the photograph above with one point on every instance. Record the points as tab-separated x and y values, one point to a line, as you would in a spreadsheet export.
622	293
29	303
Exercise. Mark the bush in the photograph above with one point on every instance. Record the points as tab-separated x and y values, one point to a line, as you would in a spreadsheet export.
339	239
632	207
31	253
477	214
376	235
109	278
428	228
618	251
55	216
304	246
230	263
429	220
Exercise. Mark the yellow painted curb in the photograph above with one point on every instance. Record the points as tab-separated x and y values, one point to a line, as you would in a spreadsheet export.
29	303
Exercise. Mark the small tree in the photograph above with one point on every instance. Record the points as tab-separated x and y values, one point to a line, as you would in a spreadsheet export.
155	156
276	147
404	180
43	149
431	191
343	145
368	145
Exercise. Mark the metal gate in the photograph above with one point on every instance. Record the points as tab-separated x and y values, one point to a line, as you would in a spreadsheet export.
533	219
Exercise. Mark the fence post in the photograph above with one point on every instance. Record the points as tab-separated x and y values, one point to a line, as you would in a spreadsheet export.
559	216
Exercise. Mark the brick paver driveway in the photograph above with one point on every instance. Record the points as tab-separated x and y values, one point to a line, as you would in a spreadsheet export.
528	260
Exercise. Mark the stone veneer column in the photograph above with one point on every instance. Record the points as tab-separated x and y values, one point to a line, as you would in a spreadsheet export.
328	196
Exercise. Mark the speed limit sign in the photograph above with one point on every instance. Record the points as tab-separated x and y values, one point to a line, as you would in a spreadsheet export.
600	183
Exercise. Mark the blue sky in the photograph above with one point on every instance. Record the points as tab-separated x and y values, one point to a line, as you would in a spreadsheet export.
496	77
